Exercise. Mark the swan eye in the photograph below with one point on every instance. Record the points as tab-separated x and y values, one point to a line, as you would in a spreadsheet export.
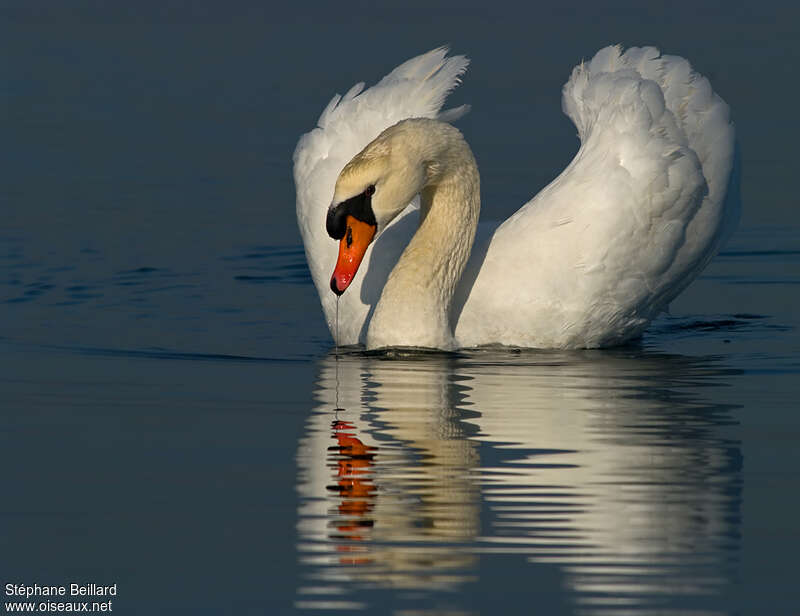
370	190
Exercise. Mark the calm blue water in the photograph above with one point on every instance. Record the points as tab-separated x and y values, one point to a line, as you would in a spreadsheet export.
175	420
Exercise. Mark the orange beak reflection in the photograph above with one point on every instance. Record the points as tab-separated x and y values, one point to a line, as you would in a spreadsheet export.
352	247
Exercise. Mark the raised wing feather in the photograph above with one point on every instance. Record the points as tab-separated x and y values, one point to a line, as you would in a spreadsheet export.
627	225
416	88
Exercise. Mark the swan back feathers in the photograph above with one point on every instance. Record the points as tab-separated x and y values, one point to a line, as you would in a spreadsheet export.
702	118
630	222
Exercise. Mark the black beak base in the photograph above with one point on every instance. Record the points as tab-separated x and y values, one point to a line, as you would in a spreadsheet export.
359	207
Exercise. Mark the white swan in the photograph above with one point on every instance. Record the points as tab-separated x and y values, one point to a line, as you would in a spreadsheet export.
588	262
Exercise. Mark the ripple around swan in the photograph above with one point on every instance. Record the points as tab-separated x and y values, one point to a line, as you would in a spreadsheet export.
265	264
615	474
243	305
246	302
26	278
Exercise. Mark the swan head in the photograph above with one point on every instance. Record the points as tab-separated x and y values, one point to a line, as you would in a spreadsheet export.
372	189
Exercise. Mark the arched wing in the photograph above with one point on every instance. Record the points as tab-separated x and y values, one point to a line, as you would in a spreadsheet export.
635	216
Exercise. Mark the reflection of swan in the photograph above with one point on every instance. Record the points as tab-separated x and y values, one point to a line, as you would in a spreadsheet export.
620	465
616	474
588	262
392	483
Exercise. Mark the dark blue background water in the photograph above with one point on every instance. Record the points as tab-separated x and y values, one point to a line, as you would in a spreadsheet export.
167	386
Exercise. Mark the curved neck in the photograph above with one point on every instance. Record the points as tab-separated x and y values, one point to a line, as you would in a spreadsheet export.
414	308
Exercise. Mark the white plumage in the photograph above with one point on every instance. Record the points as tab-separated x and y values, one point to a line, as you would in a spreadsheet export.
590	260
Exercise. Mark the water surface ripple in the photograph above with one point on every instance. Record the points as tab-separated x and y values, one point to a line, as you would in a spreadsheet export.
617	471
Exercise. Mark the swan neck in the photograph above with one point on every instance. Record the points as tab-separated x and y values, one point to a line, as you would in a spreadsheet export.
414	309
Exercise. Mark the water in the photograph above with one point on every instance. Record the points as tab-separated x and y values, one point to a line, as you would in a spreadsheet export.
175	419
613	476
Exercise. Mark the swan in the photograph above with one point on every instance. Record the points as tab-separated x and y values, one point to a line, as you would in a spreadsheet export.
647	201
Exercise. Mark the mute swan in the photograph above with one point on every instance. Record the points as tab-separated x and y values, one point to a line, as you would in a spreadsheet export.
588	262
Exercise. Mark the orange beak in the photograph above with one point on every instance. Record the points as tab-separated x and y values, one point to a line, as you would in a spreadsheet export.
351	250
